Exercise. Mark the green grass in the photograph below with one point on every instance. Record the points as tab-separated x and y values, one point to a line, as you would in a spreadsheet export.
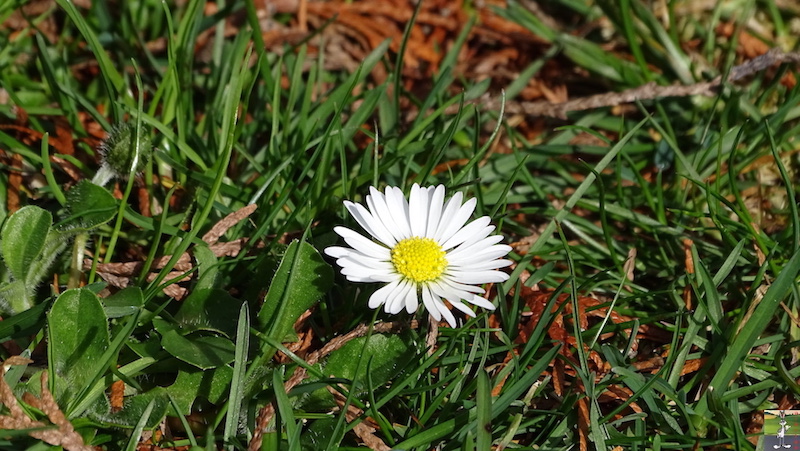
709	181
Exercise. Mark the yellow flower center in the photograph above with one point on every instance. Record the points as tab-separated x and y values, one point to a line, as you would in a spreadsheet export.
419	259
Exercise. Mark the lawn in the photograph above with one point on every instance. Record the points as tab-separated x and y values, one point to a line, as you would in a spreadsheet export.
387	225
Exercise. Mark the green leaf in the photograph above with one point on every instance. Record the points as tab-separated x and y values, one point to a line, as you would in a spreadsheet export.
189	385
212	385
148	348
209	309
208	271
236	397
55	243
484	405
123	303
14	298
383	356
23	238
317	435
77	338
204	352
134	410
23	324
301	279
88	206
136	435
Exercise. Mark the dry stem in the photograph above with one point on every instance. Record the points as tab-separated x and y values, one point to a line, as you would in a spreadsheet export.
64	436
648	91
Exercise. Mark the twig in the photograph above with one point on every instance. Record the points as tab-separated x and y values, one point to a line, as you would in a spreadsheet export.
648	91
433	334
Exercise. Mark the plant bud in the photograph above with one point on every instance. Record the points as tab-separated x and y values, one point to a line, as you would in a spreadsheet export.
121	154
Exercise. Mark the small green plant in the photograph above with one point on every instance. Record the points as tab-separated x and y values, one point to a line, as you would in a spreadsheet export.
31	242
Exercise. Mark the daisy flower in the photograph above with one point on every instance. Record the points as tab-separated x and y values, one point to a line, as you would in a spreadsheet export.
421	249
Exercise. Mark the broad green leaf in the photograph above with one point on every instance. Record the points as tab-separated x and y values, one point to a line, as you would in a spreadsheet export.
123	303
382	355
54	244
204	352
150	347
77	338
89	206
90	393
212	385
14	298
317	435
385	354
23	238
189	385
301	279
209	309
207	269
134	409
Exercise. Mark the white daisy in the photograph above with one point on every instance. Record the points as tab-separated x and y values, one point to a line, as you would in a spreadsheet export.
421	248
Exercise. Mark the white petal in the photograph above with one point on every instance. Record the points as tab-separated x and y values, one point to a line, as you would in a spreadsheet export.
447	284
478	246
355	257
452	222
449	292
369	223
434	303
478	254
481	302
337	251
448	315
398	300
356	272
479	236
398	208
359	279
418	210
479	265
430	305
411	300
436	204
377	205
470	231
463	308
448	213
478	277
451	208
362	244
379	296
